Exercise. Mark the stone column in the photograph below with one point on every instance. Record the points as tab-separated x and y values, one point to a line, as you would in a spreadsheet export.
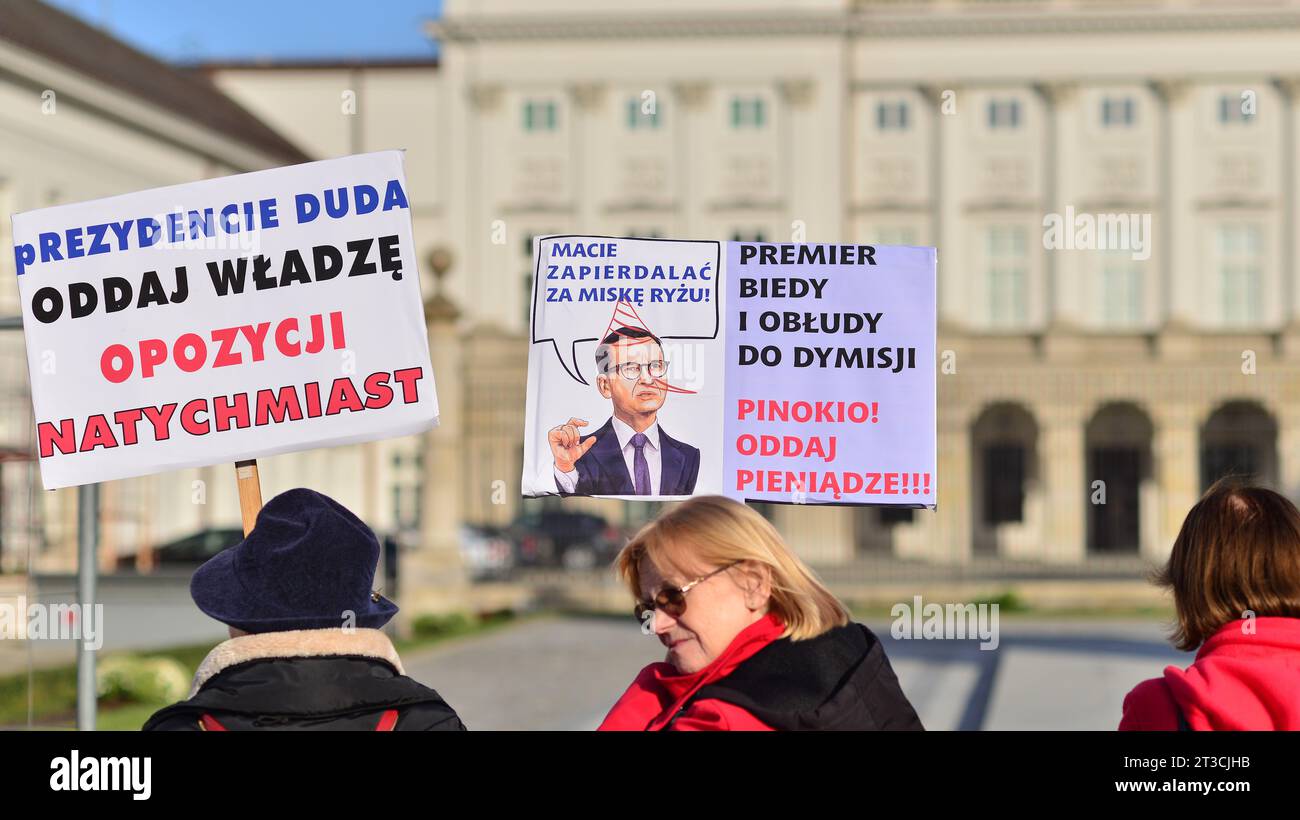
959	285
1067	290
589	159
690	131
1290	87
819	535
483	176
936	97
1176	452
1178	191
944	535
1066	485
1288	450
803	149
432	576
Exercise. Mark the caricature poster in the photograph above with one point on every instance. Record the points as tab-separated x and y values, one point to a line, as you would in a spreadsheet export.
798	373
625	368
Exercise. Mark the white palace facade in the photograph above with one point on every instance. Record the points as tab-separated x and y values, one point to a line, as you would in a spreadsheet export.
1145	370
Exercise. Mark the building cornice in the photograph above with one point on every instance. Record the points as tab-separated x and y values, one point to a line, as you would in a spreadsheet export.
1097	21
321	64
891	207
638	206
639	26
871	23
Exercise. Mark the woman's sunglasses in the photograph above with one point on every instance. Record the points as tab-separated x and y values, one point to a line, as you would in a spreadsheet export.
671	599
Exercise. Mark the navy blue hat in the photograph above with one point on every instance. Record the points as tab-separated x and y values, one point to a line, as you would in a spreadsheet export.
307	561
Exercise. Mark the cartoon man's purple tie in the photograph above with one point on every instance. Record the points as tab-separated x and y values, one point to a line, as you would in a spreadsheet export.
640	467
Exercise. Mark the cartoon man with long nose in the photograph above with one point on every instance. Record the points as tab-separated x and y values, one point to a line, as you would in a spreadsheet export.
630	454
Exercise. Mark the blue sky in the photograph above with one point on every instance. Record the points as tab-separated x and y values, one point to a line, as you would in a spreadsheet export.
187	31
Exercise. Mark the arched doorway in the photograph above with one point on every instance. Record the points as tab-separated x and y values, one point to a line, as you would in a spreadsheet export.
1118	446
1004	463
1239	439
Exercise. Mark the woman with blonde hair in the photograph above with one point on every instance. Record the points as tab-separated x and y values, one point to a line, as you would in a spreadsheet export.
754	640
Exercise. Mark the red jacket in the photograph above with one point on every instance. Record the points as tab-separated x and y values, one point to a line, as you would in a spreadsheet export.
659	691
1239	680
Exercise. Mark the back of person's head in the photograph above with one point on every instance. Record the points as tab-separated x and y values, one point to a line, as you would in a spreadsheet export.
309	563
1238	552
711	530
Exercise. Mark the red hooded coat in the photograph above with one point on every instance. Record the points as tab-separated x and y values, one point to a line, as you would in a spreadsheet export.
1245	676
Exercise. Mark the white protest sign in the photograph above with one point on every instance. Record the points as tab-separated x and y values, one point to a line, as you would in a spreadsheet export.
224	320
786	372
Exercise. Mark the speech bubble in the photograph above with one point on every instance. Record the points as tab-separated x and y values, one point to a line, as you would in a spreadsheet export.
584	286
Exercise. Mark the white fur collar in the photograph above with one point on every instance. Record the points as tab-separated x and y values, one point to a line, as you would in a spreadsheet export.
298	643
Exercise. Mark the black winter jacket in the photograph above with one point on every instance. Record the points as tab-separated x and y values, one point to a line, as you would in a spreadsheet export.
319	679
840	680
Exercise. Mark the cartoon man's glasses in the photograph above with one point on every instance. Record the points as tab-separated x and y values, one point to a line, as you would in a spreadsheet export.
632	370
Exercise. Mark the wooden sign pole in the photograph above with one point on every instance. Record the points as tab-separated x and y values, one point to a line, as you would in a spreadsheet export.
250	492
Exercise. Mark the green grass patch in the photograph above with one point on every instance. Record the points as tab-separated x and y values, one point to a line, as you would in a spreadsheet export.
126	718
1006	602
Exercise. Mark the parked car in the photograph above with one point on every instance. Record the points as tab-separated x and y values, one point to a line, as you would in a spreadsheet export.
560	538
189	551
486	552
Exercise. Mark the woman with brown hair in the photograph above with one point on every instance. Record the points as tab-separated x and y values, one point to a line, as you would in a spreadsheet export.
754	640
1235	575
